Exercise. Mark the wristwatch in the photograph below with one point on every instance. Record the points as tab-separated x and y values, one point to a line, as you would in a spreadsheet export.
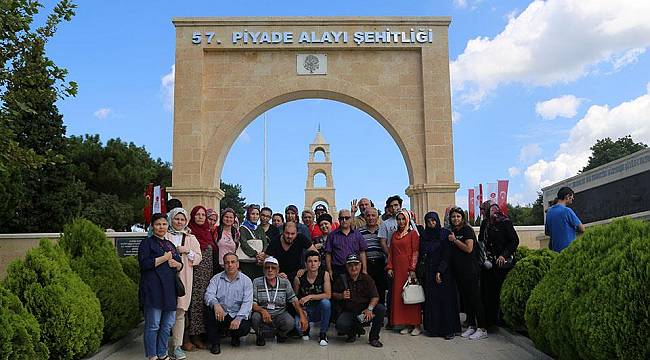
370	308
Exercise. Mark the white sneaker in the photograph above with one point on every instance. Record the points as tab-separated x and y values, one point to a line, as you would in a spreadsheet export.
478	335
416	331
405	331
470	330
305	337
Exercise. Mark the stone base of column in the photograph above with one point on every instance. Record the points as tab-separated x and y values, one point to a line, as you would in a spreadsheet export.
190	197
430	197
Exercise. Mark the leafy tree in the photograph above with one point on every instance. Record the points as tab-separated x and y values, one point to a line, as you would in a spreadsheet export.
30	84
532	214
606	150
233	199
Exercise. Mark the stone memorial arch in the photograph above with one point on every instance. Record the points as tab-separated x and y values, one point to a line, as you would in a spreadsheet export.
231	70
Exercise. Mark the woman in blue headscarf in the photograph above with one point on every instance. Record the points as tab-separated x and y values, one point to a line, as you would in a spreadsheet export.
252	243
440	307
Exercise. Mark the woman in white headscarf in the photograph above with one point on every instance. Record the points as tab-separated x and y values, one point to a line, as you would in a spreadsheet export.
190	250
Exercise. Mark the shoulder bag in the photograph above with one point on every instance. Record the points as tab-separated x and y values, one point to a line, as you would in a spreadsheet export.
412	293
256	244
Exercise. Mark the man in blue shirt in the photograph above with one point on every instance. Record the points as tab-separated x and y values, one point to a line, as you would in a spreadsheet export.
562	223
230	299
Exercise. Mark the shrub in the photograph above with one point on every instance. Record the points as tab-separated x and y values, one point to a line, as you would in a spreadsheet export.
65	307
522	252
93	257
519	283
20	334
131	268
593	302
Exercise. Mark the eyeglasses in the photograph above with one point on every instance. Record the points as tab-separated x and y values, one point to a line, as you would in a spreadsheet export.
270	267
265	216
345	218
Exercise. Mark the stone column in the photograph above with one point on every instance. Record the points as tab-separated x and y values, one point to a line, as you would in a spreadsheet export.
190	197
426	197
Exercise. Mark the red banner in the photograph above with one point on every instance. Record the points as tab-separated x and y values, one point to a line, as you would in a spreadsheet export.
503	195
148	198
470	204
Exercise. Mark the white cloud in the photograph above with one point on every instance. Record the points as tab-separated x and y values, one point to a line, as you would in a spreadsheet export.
552	42
460	3
629	57
102	113
514	171
529	152
563	106
167	88
628	118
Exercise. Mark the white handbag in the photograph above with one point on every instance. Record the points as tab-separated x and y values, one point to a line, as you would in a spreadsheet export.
412	293
256	244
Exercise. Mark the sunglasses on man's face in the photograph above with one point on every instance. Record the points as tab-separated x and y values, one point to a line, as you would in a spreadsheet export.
345	218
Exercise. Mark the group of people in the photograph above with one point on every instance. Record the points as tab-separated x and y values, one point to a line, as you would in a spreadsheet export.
205	276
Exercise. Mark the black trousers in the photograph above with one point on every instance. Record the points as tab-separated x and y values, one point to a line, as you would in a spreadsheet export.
491	283
215	328
338	270
377	271
348	323
469	286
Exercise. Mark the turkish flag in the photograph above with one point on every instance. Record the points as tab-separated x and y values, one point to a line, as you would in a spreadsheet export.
470	204
148	196
503	195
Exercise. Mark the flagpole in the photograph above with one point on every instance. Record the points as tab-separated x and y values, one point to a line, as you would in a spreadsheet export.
264	201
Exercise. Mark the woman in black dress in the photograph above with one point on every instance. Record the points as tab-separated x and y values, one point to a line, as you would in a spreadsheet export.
501	241
441	305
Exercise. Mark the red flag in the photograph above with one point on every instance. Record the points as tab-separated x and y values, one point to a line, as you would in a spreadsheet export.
163	200
148	196
503	195
470	204
480	194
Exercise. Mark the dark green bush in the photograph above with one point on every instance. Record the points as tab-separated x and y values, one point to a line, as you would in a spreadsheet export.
594	303
20	334
65	307
519	283
522	252
131	268
93	257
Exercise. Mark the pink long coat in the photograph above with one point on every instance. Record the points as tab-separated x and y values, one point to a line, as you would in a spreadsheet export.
187	273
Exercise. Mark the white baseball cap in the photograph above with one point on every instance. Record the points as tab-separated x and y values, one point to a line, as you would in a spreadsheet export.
271	260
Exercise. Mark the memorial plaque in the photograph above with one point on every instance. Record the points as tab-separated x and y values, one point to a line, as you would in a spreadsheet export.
128	246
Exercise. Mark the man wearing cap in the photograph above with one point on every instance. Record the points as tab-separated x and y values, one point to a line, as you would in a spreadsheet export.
325	224
321	209
291	215
288	249
359	300
343	242
271	294
230	297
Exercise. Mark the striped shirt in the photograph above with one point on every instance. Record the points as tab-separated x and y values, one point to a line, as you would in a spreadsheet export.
285	294
375	251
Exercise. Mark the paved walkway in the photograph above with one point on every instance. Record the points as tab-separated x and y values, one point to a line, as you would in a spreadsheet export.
403	347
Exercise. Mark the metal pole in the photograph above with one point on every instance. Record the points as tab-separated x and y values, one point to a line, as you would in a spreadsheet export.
264	196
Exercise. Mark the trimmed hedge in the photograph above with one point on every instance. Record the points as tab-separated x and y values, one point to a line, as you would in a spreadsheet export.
20	334
65	307
520	282
594	303
93	257
131	268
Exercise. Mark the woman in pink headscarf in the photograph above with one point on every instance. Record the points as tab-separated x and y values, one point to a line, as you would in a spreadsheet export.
402	259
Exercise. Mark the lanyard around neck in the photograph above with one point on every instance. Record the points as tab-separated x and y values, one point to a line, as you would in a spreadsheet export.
277	287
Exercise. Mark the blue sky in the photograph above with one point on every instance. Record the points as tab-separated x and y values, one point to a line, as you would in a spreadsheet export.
534	85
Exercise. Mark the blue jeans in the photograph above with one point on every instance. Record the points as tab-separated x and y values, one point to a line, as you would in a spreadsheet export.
317	310
157	327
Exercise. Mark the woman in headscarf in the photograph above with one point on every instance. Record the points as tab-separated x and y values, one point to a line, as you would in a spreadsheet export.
501	241
227	235
213	220
440	307
203	272
251	235
402	260
159	263
467	273
190	250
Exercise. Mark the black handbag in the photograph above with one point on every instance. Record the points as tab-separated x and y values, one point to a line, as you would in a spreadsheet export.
180	287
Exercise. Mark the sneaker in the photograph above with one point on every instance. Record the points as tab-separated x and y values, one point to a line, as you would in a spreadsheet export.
323	339
478	335
468	332
416	331
235	341
305	337
179	354
375	343
281	338
405	331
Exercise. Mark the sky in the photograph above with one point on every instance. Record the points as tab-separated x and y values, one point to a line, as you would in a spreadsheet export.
534	85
